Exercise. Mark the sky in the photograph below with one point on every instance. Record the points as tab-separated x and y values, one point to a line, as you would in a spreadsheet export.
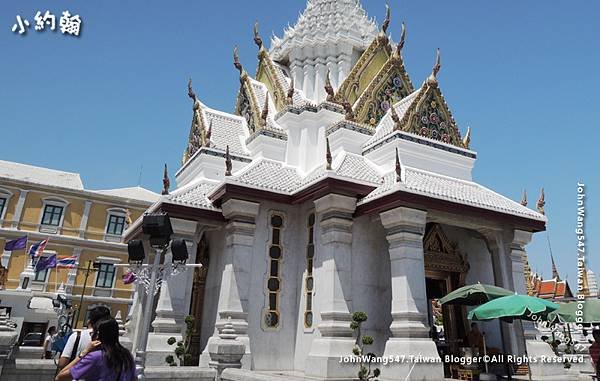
112	103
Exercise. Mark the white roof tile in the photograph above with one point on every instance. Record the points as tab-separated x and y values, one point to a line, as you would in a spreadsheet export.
194	195
134	193
227	129
451	189
39	175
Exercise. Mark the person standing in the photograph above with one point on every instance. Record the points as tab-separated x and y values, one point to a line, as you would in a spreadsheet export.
103	359
48	343
594	351
79	340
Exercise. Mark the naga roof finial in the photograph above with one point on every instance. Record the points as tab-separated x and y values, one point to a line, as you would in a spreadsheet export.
402	39
348	110
436	68
290	93
541	202
191	93
166	181
236	60
329	88
257	40
395	117
524	198
208	134
265	112
386	22
228	164
328	155
467	139
398	168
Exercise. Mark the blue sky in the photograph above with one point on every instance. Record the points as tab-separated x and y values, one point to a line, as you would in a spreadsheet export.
523	75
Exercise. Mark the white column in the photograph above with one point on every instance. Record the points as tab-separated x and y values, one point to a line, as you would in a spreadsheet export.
320	75
410	332
535	348
27	276
84	218
235	279
333	287
19	208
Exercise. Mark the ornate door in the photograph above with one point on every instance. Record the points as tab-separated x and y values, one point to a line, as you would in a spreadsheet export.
197	300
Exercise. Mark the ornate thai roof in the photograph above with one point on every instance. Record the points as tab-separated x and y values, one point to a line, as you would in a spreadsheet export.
327	21
450	189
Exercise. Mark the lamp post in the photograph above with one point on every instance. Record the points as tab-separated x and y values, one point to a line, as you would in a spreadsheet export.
157	227
91	267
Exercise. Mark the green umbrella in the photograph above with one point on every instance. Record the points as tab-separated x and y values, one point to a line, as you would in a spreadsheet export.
475	294
512	307
567	312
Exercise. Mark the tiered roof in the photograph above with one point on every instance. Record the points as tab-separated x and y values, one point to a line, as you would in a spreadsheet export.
379	102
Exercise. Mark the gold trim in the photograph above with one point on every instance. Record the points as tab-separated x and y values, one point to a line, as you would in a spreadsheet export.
271	79
350	88
441	254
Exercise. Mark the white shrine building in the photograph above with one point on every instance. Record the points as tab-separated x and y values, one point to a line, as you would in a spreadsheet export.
337	185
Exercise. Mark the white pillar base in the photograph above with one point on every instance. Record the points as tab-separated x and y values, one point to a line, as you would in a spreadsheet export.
324	359
544	370
425	363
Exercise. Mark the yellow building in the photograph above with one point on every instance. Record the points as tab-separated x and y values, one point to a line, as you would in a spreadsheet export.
47	204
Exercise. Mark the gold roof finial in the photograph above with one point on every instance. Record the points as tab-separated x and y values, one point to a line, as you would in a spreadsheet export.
236	60
166	181
395	117
386	22
265	112
467	139
398	168
208	134
436	68
228	164
329	88
191	92
524	198
328	155
257	40
402	39
290	93
541	202
348	110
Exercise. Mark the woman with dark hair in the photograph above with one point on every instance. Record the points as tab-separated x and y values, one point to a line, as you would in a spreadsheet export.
104	359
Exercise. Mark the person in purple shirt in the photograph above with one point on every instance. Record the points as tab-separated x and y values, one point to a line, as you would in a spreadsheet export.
104	359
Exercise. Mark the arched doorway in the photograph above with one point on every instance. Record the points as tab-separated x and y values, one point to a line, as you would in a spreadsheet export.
445	271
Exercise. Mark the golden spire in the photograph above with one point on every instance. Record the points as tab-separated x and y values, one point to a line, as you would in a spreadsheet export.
398	168
386	22
467	139
228	164
541	202
236	61
257	40
524	198
328	155
329	88
166	182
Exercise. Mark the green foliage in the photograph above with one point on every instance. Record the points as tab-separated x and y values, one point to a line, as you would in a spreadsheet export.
182	350
364	362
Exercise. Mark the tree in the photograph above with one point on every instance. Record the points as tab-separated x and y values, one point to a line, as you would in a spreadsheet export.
364	361
182	349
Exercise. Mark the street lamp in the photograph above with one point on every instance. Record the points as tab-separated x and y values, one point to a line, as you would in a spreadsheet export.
158	229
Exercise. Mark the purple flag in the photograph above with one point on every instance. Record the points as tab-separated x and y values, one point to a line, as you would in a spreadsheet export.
16	244
129	277
45	263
